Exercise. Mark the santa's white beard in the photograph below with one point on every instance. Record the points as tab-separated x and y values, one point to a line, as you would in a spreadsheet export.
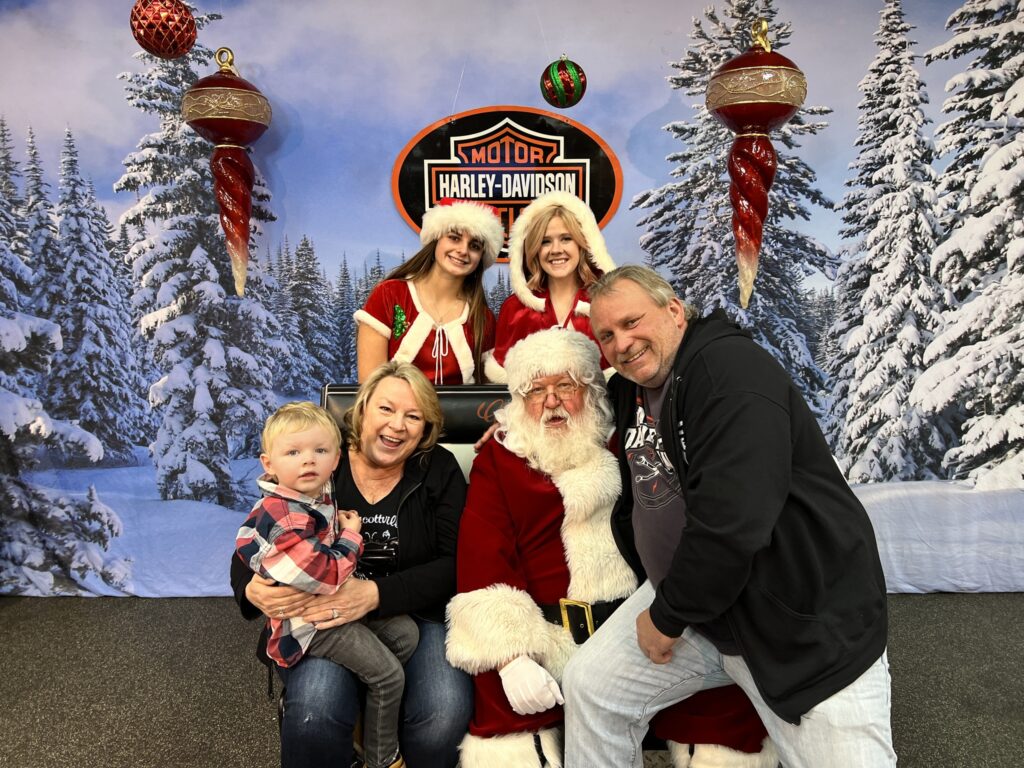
578	441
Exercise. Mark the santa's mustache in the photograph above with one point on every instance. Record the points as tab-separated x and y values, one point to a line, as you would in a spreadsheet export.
558	412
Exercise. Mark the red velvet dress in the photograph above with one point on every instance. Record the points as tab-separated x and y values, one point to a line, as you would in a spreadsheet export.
443	352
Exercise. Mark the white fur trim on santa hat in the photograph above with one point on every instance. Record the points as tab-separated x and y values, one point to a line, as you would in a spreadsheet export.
513	750
599	257
549	352
464	216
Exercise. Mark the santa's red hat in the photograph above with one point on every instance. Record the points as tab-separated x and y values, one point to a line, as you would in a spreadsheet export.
465	217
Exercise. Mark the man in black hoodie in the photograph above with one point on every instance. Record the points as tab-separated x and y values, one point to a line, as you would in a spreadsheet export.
761	564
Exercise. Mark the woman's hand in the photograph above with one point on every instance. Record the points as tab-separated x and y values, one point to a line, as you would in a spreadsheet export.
354	599
277	601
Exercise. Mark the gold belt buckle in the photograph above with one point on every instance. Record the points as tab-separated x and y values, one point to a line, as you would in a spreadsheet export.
564	603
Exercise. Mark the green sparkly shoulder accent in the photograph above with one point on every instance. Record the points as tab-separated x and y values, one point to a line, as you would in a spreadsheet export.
399	325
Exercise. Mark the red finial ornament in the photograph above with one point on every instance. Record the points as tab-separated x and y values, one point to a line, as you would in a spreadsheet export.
165	28
752	94
232	113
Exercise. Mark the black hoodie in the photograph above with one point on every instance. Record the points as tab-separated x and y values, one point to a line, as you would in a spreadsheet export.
775	541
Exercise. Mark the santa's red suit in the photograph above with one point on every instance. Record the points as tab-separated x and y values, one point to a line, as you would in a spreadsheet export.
527	540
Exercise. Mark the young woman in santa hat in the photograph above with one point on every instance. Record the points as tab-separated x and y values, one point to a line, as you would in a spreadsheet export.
555	251
431	310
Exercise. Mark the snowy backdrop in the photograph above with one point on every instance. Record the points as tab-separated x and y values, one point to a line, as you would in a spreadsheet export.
133	382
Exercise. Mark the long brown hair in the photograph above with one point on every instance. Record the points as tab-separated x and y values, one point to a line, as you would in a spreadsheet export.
420	264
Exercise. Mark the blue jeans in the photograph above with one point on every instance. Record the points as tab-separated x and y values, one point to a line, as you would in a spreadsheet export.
612	690
321	704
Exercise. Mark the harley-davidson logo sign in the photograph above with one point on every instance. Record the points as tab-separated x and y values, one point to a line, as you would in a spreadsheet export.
505	157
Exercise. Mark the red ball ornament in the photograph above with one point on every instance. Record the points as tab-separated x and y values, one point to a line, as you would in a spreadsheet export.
752	94
232	113
165	28
563	83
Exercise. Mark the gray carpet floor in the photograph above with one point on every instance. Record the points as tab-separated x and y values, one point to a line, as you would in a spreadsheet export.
136	683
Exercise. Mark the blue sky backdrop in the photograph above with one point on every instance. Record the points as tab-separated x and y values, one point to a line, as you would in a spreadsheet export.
350	83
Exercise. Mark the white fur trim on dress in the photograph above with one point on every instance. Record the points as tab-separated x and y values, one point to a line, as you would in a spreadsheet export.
547	352
416	337
493	370
598	251
364	317
466	217
514	750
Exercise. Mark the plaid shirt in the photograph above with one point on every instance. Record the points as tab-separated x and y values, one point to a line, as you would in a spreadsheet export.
294	539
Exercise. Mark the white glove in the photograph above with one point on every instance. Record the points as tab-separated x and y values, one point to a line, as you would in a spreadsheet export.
529	687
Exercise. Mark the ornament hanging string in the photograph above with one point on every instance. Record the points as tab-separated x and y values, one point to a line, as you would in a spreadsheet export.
458	88
540	25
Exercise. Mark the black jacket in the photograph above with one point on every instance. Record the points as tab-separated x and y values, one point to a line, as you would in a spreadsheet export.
432	497
775	541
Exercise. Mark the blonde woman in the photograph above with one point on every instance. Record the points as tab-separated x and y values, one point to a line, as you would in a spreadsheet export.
556	251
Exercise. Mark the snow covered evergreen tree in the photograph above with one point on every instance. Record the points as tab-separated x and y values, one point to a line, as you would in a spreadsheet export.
210	346
372	274
889	214
499	292
825	305
345	306
315	352
818	314
688	227
850	284
44	250
93	379
292	370
145	369
48	543
977	358
10	172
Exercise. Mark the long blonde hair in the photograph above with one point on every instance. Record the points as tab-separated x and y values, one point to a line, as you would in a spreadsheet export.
532	242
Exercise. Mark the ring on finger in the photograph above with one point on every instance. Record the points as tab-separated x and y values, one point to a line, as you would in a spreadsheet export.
334	613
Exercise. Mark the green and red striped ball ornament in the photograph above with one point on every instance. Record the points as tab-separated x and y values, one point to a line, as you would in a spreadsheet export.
563	83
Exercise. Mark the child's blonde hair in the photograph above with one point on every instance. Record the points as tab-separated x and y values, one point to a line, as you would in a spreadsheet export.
297	417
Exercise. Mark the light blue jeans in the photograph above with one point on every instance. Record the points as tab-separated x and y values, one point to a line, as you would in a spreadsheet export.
612	690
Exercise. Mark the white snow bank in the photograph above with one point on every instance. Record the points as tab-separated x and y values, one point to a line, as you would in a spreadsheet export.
947	537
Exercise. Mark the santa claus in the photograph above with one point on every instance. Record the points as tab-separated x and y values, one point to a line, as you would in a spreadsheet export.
539	571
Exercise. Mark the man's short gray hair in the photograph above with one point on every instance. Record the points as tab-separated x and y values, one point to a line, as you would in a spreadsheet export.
649	281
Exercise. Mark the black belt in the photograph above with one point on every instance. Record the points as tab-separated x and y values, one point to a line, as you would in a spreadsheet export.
581	619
